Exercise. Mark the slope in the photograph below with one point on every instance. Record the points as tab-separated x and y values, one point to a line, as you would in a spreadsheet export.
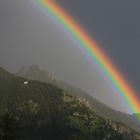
36	110
34	72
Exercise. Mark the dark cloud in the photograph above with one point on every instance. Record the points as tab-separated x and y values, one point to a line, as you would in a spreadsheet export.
116	25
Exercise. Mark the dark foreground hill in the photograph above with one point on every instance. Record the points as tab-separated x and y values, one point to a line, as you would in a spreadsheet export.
34	72
31	110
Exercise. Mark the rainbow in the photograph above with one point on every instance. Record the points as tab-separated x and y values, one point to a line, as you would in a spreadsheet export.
94	51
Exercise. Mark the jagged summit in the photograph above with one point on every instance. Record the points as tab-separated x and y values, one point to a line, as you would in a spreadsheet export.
33	67
35	72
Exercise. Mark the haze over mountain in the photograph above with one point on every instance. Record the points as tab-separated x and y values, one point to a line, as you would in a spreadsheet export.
35	72
28	36
33	110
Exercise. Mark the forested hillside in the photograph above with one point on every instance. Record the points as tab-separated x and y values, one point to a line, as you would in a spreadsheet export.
32	110
34	72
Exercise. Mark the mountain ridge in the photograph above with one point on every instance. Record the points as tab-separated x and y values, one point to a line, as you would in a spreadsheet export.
100	108
41	110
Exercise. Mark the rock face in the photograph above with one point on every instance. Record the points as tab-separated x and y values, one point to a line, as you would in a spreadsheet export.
34	72
40	111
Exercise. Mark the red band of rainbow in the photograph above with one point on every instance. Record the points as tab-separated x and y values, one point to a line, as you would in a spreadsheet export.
96	53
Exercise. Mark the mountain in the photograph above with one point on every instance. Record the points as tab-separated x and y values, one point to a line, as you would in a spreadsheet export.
34	72
33	110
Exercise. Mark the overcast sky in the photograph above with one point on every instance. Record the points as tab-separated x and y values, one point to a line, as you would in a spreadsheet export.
28	36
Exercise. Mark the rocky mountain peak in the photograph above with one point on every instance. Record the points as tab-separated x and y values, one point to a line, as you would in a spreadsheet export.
35	72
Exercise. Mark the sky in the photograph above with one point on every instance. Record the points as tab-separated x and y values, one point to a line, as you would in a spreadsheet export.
28	36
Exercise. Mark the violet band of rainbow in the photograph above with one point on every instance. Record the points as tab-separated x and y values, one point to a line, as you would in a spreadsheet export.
95	52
